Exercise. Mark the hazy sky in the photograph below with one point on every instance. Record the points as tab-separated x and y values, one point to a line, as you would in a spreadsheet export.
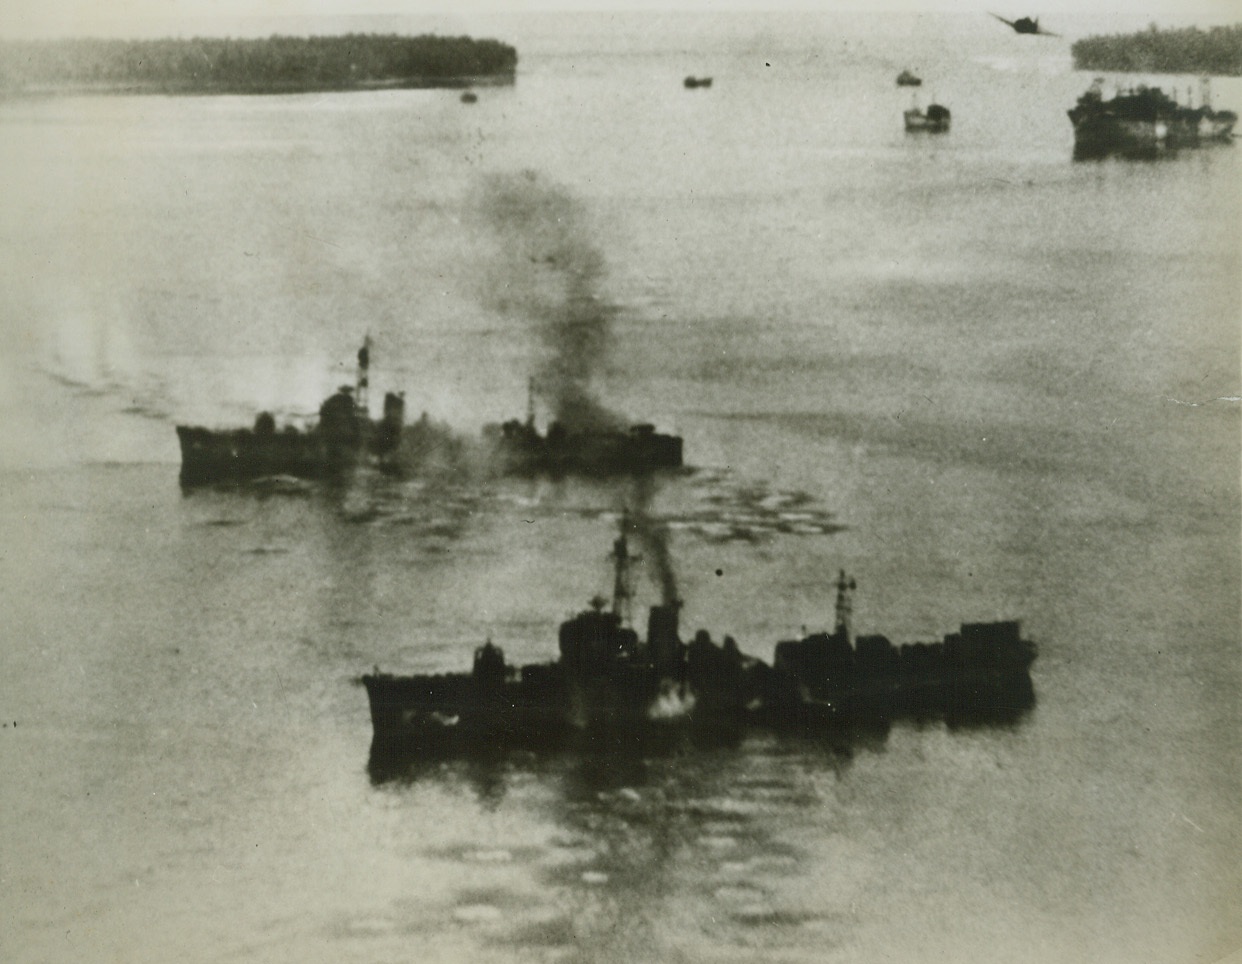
59	17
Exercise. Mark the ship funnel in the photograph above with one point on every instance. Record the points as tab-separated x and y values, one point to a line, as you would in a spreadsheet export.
663	639
622	591
363	378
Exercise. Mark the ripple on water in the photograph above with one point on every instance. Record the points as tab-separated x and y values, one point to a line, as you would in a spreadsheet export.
497	856
477	913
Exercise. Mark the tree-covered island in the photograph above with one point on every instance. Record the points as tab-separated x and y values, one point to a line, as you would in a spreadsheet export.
260	66
1188	50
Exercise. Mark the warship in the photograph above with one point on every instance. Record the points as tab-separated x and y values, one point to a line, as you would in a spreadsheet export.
343	437
610	685
517	447
1143	121
607	681
979	674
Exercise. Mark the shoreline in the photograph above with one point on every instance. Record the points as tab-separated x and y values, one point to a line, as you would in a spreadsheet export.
192	89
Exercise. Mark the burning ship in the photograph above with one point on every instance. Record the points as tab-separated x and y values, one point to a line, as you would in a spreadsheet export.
344	436
1143	121
611	684
607	681
518	448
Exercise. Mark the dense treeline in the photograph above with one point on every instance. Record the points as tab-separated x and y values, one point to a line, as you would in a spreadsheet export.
272	63
1155	51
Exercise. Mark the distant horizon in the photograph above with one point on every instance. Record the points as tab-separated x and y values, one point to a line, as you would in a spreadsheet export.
50	19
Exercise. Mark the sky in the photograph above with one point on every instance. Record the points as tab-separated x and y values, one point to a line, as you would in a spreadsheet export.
33	18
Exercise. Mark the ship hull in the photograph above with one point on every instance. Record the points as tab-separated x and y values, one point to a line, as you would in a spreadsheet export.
963	699
918	122
209	456
431	717
343	437
1145	124
549	709
518	449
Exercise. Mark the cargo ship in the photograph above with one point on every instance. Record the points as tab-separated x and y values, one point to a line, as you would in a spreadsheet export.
1144	121
613	685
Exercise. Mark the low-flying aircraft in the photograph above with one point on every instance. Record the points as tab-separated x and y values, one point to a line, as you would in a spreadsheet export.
1025	25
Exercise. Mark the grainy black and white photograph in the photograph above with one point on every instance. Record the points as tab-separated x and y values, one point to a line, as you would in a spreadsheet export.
557	482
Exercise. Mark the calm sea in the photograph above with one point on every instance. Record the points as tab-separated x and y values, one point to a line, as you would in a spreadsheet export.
986	380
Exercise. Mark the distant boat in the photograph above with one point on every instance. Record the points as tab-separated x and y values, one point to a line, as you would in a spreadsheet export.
1145	121
934	120
1025	25
469	97
692	82
908	79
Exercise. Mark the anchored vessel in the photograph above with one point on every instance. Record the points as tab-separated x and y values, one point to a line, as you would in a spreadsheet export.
610	683
934	120
343	436
1142	121
908	78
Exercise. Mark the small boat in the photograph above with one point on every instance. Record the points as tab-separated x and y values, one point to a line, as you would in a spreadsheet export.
469	97
909	79
934	120
690	83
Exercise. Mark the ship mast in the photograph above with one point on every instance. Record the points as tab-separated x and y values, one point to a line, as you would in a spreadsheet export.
845	607
530	402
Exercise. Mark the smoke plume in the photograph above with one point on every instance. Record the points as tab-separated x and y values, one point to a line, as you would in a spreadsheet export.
653	537
547	273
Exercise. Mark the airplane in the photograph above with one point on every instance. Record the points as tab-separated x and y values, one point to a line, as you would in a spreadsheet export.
1025	25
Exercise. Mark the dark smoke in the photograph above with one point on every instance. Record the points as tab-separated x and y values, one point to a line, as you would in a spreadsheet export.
547	272
653	536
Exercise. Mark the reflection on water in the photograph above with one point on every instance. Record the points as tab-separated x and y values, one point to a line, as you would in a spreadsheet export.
614	760
710	838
